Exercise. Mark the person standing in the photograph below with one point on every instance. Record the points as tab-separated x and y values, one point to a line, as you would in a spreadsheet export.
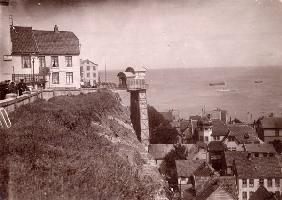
21	87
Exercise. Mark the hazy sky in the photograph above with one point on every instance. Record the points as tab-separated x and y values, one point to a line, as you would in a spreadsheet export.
163	33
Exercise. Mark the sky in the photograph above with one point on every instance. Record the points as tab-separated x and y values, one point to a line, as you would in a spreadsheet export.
162	33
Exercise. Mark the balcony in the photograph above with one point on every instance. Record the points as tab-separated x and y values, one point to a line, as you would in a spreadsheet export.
28	78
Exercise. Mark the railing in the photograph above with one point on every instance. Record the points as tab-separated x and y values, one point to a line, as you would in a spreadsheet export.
28	78
138	87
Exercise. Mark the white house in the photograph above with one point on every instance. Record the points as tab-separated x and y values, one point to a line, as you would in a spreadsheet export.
256	171
270	129
211	130
6	66
35	50
89	72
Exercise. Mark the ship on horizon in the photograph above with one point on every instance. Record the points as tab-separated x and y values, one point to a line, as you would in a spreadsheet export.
216	83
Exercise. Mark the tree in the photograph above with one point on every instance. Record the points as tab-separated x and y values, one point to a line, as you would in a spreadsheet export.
155	118
164	134
169	168
161	132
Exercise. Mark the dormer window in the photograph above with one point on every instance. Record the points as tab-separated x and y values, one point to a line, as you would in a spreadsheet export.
54	61
246	136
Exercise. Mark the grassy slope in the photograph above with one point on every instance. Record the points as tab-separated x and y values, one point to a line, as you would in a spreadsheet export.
77	147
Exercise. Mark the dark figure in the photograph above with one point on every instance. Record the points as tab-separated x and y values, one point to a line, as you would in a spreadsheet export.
4	89
22	87
12	88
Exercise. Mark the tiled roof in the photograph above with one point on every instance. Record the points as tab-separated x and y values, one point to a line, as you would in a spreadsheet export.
26	41
219	128
204	170
195	117
23	41
260	148
271	122
185	168
243	133
262	167
87	61
230	156
227	184
262	194
216	146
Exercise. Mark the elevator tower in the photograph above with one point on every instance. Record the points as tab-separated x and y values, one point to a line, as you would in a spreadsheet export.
133	80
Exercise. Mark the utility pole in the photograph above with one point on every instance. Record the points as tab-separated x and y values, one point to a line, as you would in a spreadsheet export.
33	72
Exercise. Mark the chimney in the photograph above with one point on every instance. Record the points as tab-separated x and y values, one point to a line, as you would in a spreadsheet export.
56	29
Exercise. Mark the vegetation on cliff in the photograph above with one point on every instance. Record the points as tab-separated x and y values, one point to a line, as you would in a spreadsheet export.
77	147
161	132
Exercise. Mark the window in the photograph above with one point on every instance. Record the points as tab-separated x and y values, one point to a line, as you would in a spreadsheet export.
251	182
269	182
68	61
94	75
230	139
261	181
201	138
88	75
69	77
244	195
94	68
54	61
264	154
271	154
42	62
233	149
216	138
26	62
251	193
244	184
55	77
256	154
206	138
277	182
88	68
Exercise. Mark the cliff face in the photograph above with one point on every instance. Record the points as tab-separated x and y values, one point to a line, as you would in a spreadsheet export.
77	147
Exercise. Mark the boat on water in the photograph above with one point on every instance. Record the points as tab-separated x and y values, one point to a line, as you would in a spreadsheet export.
217	83
258	81
225	90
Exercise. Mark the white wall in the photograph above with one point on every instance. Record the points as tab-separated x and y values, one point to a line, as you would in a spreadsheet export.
5	44
90	79
256	186
233	144
62	69
206	133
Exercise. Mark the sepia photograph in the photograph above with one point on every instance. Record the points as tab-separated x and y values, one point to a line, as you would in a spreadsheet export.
140	99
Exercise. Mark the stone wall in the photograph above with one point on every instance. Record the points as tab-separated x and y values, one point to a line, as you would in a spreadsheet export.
12	104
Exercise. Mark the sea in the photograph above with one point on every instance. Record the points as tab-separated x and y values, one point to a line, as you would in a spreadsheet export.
248	93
